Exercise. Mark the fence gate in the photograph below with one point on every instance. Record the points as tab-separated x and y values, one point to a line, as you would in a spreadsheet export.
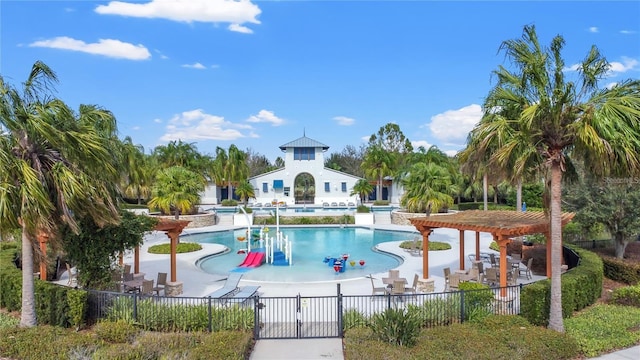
297	317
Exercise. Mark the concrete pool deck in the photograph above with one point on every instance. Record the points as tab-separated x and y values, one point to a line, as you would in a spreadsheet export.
198	283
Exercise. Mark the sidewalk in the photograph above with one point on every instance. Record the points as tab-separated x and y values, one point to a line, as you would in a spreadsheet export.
298	349
624	354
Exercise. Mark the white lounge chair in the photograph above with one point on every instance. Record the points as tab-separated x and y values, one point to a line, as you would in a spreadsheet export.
229	288
245	293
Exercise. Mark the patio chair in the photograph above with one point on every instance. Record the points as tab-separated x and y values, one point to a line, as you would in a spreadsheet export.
127	269
491	276
494	263
147	287
512	277
394	274
447	273
414	286
526	271
229	288
454	282
160	283
377	289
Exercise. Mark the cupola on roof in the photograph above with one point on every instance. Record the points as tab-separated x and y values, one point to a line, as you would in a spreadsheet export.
304	142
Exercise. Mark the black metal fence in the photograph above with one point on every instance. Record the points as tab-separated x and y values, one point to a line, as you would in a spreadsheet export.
594	244
298	316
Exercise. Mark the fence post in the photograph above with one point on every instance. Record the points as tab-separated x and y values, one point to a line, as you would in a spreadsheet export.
340	332
210	324
135	307
256	317
461	306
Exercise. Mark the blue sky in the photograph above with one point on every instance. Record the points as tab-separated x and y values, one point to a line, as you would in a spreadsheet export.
259	73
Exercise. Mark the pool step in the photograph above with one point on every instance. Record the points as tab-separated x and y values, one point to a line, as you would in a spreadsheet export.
279	259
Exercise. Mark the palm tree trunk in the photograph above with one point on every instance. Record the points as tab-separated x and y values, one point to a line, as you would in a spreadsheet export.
485	191
230	193
28	317
555	309
519	195
379	192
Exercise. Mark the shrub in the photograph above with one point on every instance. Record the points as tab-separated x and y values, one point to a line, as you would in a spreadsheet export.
247	210
433	245
628	295
438	311
182	247
381	203
470	206
228	202
396	326
477	300
352	318
42	342
603	328
115	331
363	209
8	321
620	270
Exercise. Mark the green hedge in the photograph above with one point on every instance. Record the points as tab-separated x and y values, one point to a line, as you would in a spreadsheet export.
55	305
470	206
619	270
581	287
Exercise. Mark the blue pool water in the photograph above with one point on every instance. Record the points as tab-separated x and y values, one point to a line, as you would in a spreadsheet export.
310	247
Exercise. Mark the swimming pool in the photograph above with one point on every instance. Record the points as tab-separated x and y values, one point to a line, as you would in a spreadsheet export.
310	247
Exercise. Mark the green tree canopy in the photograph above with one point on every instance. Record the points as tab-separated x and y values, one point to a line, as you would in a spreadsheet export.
176	189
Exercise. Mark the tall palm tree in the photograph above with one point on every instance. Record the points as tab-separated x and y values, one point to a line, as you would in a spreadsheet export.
362	188
377	164
177	189
137	171
55	167
237	169
563	118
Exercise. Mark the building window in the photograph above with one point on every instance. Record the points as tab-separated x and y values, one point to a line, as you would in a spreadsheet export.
265	187
344	187
327	187
304	153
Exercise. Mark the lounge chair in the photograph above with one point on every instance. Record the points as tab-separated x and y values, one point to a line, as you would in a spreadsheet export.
73	275
229	288
245	293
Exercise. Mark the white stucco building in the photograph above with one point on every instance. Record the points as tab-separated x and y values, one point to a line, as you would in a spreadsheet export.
303	180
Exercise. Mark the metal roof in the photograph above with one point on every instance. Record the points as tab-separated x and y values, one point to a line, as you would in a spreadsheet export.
304	142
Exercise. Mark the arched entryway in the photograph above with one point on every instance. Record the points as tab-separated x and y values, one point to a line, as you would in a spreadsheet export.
304	188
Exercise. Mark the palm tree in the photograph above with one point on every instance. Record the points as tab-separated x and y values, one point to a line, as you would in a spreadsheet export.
177	189
55	167
377	163
562	118
138	172
428	188
245	191
362	188
236	169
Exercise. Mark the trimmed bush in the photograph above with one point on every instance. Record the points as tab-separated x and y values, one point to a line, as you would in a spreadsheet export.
352	318
620	270
433	245
363	209
115	332
183	247
628	295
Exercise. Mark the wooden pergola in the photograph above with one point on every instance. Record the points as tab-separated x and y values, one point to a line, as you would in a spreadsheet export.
503	225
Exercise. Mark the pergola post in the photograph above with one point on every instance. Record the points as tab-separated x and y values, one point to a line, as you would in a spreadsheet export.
173	229
136	260
502	243
461	260
425	252
477	246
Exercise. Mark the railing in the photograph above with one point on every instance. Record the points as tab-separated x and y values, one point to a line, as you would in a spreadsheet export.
299	316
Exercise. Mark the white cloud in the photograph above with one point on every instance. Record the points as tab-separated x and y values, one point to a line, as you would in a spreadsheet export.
627	64
240	29
194	66
105	47
454	125
451	152
136	128
593	29
266	116
416	144
627	32
365	138
157	121
234	12
197	125
344	121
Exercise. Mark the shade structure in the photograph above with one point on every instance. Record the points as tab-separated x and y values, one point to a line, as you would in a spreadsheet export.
173	229
503	225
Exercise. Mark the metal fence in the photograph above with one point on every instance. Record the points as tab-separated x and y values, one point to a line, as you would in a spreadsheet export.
594	244
298	316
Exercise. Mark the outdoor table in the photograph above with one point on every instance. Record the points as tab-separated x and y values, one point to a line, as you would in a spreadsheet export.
389	281
134	284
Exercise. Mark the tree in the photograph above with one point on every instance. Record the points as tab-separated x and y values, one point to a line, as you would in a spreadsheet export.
55	167
257	163
246	191
363	188
137	171
615	203
349	160
391	139
377	164
94	248
177	189
178	153
279	163
561	118
428	188
230	167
